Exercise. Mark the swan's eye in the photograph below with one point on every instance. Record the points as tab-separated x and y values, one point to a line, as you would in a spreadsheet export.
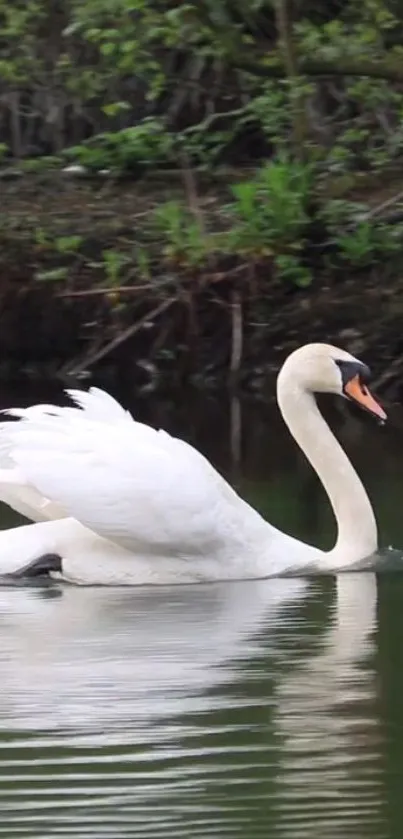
364	374
353	369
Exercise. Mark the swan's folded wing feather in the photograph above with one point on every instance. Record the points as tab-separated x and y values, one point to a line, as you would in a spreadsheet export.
14	491
26	500
94	405
135	489
99	405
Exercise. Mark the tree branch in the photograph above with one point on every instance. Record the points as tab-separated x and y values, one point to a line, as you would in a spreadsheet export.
284	22
345	67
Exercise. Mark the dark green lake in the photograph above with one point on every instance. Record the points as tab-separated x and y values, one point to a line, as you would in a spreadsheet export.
257	709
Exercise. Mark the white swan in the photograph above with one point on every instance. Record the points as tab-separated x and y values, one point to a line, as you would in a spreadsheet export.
130	505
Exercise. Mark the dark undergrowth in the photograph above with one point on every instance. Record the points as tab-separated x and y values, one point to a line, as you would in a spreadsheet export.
189	192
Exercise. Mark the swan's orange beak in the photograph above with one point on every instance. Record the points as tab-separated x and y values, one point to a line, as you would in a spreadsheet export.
358	392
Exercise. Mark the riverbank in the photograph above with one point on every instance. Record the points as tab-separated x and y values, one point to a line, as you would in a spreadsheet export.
140	280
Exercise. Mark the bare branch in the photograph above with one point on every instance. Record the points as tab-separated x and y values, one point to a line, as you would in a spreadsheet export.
346	67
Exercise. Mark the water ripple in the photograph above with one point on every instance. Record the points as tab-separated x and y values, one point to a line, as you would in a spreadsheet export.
242	710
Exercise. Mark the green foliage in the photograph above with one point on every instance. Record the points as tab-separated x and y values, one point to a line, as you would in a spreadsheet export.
68	244
38	165
362	238
359	246
183	234
150	144
272	108
137	85
52	275
95	78
62	245
113	263
284	190
205	148
270	216
146	144
369	242
291	269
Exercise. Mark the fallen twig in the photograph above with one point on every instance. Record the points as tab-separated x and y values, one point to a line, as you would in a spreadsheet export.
94	357
95	292
380	207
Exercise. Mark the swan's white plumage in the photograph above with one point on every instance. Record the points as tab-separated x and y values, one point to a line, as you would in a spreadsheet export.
14	491
26	500
121	502
127	482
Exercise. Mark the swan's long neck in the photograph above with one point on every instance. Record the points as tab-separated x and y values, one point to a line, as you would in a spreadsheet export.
356	525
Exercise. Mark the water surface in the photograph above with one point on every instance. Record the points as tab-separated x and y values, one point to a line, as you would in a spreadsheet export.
255	709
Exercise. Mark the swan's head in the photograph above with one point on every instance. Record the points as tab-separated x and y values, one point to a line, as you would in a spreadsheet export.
322	368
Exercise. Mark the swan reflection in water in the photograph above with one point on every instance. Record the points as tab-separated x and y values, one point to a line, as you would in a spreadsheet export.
90	659
326	720
203	708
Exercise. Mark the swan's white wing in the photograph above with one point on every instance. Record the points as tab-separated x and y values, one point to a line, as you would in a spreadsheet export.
135	486
94	404
26	500
14	491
